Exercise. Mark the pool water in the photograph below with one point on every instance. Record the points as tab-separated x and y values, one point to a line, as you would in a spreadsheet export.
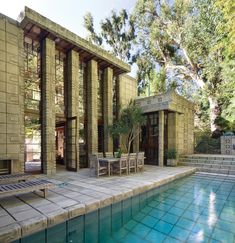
199	208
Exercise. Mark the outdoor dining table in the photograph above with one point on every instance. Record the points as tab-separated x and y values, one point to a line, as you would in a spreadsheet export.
109	161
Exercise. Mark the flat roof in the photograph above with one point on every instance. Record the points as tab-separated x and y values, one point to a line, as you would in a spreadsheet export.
39	27
167	101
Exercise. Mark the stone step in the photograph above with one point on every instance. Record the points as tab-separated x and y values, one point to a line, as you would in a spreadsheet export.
218	166
225	162
210	157
212	168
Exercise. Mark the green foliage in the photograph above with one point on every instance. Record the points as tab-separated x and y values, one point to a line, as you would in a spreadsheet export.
186	45
118	153
89	25
171	154
128	125
205	144
117	32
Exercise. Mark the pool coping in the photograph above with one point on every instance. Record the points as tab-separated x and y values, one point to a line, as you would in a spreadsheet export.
109	195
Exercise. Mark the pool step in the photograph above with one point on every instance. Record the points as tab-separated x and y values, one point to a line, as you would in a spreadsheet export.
221	164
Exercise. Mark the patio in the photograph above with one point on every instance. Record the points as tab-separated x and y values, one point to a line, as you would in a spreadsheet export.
76	194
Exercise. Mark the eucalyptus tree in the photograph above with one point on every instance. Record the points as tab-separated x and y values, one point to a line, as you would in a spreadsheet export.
177	44
179	36
117	33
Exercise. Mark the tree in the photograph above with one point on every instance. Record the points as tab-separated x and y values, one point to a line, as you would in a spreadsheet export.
127	127
179	36
117	33
187	45
227	43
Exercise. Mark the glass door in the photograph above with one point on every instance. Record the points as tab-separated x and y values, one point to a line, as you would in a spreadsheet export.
149	138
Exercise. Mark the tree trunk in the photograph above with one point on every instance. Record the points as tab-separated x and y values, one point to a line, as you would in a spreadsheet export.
214	112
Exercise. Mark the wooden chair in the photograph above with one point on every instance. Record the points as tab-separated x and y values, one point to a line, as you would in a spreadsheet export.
108	154
121	166
132	162
140	161
99	155
96	167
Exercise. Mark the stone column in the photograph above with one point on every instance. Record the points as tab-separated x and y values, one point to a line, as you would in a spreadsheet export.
161	138
172	131
72	125
108	108
48	106
92	112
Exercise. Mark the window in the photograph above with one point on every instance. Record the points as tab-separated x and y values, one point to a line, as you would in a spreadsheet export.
59	82
32	74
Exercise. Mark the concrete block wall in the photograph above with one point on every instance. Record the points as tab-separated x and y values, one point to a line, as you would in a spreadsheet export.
126	91
181	128
227	145
11	93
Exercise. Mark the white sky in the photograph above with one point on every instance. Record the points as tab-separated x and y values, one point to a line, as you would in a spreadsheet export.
68	13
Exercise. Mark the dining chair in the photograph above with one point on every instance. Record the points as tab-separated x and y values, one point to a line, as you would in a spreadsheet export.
121	166
132	162
96	166
109	155
140	161
99	155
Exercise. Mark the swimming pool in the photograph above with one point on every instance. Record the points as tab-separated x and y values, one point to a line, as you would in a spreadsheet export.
198	208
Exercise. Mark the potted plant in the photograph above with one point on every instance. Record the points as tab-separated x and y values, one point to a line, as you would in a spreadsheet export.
118	153
172	158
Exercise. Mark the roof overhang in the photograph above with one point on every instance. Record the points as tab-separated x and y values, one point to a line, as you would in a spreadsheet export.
39	27
170	101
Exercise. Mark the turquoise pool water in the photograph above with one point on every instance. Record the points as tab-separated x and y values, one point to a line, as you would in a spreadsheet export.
198	208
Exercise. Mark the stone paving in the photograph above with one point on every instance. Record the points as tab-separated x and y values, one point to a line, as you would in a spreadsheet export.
76	194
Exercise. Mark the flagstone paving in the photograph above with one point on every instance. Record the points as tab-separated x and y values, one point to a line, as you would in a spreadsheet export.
75	194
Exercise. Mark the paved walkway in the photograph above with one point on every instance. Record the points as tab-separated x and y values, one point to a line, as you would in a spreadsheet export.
76	194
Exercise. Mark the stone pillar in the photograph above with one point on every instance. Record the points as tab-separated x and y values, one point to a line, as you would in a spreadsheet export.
161	138
48	106
72	125
92	111
172	131
108	108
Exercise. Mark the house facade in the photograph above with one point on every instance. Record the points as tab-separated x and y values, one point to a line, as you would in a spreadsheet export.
58	95
169	126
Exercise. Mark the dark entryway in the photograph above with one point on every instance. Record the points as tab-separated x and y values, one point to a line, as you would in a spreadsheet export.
149	138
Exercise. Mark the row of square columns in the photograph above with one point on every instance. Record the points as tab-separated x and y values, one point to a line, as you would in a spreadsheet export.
72	108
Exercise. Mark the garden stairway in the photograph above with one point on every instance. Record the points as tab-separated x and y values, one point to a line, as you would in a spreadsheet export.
212	163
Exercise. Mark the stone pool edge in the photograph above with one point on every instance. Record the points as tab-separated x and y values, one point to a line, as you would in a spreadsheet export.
21	229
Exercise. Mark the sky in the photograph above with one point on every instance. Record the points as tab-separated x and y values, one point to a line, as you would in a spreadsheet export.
69	13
